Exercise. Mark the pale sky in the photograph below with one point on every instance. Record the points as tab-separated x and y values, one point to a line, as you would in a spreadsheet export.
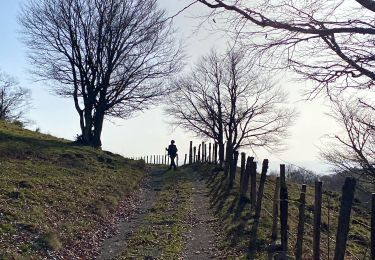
149	133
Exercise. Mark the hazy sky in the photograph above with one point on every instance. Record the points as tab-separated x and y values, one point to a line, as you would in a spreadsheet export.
149	132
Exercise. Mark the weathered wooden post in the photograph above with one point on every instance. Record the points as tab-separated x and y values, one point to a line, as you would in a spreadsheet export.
283	211
185	159
373	227
317	220
191	153
209	153
203	155
199	152
177	160
232	175
261	188
344	218
165	159
154	159
253	185
147	159
301	223
242	171
275	209
245	180
194	154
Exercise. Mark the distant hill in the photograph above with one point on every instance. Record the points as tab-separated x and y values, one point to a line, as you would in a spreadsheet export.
54	193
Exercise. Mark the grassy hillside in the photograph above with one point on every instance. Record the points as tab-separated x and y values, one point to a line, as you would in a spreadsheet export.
236	219
53	193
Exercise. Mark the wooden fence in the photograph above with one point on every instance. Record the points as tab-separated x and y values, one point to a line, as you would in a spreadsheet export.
207	153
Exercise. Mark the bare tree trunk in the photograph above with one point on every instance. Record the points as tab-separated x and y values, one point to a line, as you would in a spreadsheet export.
97	131
228	158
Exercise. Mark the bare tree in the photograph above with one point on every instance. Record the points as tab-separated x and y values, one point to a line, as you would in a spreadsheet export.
14	100
110	57
354	150
225	98
197	105
330	42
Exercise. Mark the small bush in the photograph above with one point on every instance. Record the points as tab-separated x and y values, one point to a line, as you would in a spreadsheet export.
50	240
19	123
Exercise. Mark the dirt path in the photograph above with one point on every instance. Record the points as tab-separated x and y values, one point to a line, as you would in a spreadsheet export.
198	237
113	246
201	238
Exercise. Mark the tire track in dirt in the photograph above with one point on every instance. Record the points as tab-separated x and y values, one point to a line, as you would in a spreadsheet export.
201	238
116	244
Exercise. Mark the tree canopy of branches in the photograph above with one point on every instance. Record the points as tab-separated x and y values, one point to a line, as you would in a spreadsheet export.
354	150
226	99
110	57
14	100
336	36
328	42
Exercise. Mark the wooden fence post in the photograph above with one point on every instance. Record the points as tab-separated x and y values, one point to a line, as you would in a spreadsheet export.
275	209
242	171
253	185
147	159
185	159
199	153
209	153
283	211
373	228
301	223
317	220
347	197
203	155
232	174
246	176
154	159
191	153
261	188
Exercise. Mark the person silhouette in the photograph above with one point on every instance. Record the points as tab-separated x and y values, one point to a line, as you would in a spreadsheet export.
172	152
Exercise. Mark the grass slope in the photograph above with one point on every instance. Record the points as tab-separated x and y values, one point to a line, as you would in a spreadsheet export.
52	193
236	219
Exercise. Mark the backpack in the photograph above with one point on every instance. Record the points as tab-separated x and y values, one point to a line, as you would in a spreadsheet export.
172	150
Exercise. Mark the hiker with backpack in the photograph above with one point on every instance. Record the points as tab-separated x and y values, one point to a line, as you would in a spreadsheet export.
172	152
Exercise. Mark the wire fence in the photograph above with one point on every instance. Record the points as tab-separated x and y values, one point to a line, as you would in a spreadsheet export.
319	229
